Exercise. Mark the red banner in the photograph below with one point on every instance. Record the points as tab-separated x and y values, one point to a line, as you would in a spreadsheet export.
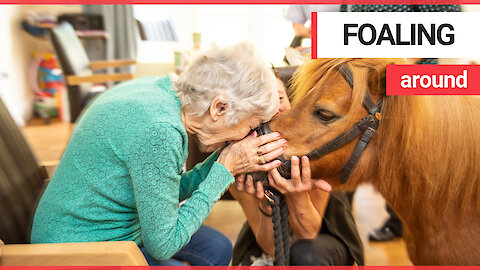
433	80
250	2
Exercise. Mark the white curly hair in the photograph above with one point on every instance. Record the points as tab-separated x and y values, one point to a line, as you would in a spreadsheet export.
236	73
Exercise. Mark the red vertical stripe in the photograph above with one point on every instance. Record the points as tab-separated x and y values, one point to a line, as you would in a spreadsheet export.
314	35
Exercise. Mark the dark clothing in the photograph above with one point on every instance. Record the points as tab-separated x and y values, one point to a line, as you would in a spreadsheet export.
326	250
338	242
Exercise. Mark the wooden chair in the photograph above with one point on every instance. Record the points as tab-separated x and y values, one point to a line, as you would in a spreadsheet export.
157	30
120	253
77	68
21	183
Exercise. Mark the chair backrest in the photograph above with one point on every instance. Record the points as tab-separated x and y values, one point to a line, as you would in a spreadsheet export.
157	30
21	181
74	61
70	51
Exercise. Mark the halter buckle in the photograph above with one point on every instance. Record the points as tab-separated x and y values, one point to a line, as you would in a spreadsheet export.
268	195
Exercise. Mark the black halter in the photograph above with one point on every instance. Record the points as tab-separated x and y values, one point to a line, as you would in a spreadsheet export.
365	127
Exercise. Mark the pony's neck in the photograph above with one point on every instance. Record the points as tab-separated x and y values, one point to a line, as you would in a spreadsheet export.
427	157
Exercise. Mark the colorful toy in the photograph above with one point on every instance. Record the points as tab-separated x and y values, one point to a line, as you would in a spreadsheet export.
47	83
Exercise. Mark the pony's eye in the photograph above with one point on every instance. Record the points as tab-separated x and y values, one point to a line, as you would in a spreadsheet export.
325	116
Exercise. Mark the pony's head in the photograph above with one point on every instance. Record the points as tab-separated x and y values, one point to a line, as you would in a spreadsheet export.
325	106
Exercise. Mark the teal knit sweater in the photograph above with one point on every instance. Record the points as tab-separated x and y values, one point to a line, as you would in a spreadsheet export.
120	177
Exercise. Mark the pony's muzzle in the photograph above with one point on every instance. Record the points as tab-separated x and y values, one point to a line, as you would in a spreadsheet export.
285	167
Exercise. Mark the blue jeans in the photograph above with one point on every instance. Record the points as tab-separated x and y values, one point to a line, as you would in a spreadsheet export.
207	247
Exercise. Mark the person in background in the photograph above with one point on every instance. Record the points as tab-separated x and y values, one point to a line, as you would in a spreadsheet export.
282	94
120	178
324	231
299	15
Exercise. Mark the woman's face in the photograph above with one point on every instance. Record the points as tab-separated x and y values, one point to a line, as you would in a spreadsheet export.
282	93
219	133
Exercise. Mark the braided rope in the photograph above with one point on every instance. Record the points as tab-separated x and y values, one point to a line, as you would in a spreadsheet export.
285	230
280	229
278	238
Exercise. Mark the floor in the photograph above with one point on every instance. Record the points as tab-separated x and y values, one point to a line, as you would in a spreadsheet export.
49	141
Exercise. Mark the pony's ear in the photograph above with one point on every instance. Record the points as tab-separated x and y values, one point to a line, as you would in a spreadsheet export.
377	80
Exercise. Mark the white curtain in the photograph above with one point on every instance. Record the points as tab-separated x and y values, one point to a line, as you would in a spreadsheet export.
120	23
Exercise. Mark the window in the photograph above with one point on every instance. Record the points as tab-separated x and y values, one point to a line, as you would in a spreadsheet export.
223	25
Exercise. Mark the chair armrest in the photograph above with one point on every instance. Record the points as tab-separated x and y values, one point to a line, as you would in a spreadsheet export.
112	63
98	78
113	253
50	167
50	163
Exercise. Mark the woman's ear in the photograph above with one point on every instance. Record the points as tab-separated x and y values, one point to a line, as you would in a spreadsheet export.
218	107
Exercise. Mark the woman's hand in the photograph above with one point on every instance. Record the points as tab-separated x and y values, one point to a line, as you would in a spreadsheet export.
253	203
244	183
306	206
253	154
301	180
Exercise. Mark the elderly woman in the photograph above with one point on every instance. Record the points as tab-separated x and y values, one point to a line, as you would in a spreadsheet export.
121	178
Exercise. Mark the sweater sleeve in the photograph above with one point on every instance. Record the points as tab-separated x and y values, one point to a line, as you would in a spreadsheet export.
154	158
192	178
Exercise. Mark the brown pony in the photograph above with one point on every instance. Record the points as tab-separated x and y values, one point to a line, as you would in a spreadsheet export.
424	158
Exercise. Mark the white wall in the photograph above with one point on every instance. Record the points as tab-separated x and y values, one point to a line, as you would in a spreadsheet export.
16	53
13	88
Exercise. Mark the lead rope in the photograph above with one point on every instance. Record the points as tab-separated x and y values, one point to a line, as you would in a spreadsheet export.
280	226
279	211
